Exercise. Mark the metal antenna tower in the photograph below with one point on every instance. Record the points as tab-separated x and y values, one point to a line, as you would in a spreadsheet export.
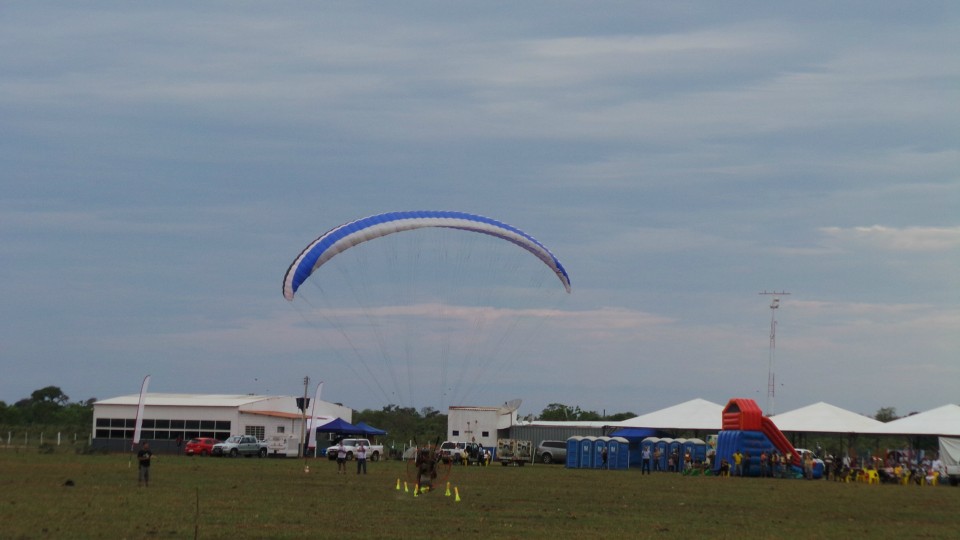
771	377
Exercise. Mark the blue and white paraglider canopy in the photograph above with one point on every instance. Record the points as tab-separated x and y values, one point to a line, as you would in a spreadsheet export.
345	236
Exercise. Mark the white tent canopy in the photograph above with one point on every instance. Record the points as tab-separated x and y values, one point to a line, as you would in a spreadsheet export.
943	421
696	414
825	418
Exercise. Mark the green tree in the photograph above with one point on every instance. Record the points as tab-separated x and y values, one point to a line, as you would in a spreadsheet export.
48	406
49	394
558	412
886	414
564	413
406	424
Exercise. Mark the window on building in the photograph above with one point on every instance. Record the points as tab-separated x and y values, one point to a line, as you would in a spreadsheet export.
156	429
484	433
257	431
456	433
281	429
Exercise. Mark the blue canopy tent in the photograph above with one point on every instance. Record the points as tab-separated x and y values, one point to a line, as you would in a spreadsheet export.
370	431
341	427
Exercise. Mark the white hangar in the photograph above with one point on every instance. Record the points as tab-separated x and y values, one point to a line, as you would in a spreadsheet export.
172	418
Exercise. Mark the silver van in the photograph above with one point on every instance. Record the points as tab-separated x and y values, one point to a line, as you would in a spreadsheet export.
552	452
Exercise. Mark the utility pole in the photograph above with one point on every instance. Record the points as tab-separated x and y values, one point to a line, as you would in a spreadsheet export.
771	376
303	415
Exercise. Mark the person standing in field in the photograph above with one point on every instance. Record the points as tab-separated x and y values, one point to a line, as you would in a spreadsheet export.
645	460
144	456
362	458
341	459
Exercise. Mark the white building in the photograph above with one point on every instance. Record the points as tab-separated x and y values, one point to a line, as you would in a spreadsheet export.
482	425
168	418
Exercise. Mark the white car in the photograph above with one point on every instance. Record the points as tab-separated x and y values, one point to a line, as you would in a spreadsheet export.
240	445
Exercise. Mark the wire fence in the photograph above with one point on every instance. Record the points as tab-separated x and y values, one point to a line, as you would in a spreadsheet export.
44	440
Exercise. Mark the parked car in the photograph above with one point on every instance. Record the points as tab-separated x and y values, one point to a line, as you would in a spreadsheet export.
240	445
201	446
374	451
552	452
803	451
461	452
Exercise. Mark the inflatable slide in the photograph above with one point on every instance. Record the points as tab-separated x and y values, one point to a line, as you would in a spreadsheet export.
747	430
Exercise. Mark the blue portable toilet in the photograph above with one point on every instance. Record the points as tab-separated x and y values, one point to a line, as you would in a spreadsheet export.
674	451
662	445
697	449
573	452
586	452
613	453
651	443
619	449
599	446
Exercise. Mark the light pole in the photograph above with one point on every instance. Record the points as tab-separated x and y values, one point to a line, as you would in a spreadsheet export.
771	376
303	415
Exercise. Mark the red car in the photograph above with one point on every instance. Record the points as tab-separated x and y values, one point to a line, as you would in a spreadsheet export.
202	446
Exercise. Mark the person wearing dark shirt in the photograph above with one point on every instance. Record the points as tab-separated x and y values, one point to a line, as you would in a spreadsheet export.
143	458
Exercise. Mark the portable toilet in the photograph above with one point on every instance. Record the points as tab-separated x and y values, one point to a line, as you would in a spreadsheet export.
613	452
697	449
620	459
599	450
674	453
586	452
662	446
651	443
573	452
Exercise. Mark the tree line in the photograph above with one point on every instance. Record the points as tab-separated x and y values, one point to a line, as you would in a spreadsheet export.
48	406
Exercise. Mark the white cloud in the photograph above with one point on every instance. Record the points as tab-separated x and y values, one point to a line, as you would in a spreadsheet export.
897	239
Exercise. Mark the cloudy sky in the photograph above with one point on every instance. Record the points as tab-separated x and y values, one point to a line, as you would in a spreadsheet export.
162	165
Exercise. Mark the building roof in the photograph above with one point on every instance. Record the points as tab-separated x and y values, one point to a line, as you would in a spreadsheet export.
943	421
598	424
825	418
696	414
275	414
187	400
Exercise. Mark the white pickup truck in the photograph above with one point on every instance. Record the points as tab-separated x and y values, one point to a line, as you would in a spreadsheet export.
240	445
374	451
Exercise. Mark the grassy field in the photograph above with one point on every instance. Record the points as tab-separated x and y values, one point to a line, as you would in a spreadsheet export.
275	498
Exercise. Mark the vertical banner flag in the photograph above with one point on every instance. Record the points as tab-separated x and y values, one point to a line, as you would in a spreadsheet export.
139	421
312	436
